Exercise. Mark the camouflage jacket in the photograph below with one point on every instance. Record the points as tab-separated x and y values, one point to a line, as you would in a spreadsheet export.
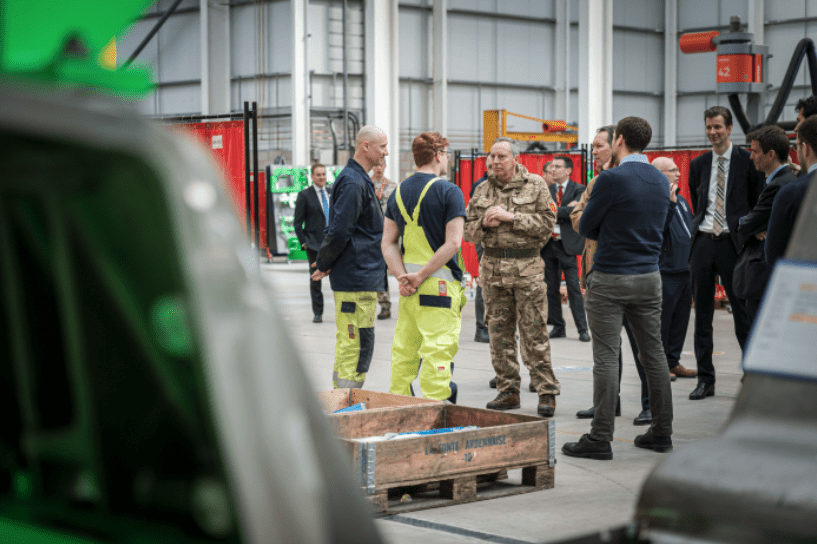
589	245
384	189
528	198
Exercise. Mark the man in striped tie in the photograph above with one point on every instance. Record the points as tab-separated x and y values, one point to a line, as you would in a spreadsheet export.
724	186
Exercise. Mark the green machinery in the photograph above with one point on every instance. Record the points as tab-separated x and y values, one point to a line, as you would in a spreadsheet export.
149	391
285	183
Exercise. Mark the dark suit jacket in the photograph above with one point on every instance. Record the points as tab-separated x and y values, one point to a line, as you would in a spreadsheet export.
785	210
751	271
309	221
743	187
572	241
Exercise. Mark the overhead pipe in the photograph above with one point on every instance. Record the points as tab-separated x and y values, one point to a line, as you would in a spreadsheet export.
152	33
804	48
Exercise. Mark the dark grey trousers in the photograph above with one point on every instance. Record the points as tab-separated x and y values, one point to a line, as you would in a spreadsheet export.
638	298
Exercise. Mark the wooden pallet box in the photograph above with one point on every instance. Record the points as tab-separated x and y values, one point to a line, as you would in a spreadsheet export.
335	399
456	461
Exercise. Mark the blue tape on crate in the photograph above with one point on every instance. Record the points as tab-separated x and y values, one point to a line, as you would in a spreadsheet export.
354	408
438	431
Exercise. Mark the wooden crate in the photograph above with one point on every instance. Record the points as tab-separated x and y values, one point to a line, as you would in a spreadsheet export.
451	468
335	399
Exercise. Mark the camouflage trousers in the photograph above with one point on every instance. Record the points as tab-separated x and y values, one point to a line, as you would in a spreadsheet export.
522	304
384	300
383	297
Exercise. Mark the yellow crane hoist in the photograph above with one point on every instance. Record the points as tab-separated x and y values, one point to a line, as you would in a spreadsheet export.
494	123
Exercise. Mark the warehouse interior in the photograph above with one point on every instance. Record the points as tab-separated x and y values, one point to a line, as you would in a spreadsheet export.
161	363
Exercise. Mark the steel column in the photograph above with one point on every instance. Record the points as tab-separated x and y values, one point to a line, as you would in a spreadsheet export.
561	81
671	53
382	75
440	48
214	28
300	74
595	79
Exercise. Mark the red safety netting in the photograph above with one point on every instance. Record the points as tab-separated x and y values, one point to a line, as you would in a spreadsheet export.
682	159
225	139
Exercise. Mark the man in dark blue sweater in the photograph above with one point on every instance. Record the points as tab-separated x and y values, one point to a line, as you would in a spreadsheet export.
626	214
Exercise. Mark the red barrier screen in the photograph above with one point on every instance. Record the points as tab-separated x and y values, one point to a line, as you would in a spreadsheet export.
226	141
682	158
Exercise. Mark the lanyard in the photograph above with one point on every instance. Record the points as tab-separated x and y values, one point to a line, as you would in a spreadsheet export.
382	187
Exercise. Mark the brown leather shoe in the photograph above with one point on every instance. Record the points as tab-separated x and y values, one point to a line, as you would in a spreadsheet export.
547	405
683	372
506	400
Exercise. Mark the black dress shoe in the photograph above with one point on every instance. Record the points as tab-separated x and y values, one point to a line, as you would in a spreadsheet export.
317	319
586	414
655	443
531	388
557	333
702	391
644	418
482	336
492	383
584	337
589	449
590	412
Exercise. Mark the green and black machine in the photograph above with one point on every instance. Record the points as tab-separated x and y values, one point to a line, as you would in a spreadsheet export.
149	392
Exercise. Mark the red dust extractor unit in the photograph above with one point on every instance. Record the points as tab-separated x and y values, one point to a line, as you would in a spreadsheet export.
740	67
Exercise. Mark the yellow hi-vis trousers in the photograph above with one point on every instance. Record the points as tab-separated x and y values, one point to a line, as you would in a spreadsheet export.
354	315
428	329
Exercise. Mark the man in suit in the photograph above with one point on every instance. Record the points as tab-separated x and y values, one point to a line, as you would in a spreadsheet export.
560	252
770	150
787	203
311	211
724	186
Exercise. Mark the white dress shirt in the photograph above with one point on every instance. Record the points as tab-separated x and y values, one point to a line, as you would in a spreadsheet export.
709	218
556	230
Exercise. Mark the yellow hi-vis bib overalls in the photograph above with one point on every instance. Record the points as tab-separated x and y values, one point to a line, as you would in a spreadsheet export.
429	321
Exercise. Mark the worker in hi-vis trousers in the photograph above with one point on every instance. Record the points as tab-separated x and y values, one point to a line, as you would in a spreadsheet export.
429	213
350	255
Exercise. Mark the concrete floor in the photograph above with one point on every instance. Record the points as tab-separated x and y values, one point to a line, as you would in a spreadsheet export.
589	495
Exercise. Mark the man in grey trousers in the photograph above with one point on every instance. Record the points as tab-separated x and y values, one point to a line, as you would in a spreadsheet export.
626	214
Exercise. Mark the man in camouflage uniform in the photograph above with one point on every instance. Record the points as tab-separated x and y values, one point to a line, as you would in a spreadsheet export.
383	187
512	216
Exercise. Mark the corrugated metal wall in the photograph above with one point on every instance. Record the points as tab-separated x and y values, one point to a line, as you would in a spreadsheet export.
500	55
